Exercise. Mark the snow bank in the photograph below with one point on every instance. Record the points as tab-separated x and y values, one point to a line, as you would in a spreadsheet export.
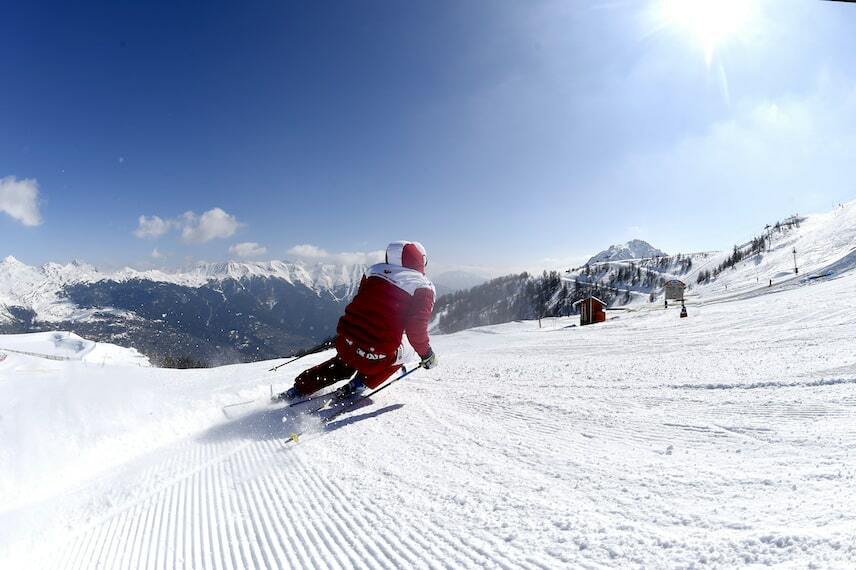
59	345
53	345
62	398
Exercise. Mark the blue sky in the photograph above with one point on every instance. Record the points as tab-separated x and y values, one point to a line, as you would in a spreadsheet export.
500	134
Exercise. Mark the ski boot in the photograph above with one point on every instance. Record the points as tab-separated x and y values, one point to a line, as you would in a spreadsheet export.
289	395
352	389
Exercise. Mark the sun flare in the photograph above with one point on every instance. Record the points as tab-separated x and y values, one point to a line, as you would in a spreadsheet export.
710	23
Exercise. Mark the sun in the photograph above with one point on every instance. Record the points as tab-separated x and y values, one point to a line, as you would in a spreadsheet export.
710	23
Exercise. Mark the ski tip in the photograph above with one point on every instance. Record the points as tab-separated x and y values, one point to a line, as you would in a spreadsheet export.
294	437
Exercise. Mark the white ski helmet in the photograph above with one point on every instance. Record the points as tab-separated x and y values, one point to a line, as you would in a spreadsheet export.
410	254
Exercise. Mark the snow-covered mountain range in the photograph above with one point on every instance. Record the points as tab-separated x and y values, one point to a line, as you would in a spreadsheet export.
633	249
41	288
825	245
207	313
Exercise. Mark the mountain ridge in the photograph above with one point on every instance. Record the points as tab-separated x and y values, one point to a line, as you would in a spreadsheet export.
206	314
210	313
633	249
820	244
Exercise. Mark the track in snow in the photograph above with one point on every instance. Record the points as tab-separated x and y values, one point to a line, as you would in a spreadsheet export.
222	501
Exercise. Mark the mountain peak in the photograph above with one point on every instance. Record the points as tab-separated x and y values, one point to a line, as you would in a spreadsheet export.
11	260
633	249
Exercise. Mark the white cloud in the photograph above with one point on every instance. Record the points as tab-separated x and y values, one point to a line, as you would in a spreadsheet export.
156	254
20	200
248	249
152	228
308	251
315	253
360	257
213	224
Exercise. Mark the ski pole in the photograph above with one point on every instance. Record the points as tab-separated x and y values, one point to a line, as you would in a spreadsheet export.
323	346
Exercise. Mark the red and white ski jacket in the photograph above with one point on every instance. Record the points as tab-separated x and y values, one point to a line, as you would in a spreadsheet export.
394	298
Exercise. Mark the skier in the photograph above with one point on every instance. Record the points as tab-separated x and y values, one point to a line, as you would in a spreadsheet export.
394	298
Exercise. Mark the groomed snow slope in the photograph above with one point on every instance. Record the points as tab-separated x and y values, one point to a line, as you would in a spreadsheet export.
724	440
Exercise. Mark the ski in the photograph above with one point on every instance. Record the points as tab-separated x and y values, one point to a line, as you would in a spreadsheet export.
332	402
280	398
347	404
307	400
275	399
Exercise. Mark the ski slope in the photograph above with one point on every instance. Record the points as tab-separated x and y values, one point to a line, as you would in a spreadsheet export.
724	440
823	246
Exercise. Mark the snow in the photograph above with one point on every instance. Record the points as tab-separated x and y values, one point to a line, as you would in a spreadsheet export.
68	346
722	440
56	345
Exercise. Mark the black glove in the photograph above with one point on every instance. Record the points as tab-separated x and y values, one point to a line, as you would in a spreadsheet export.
429	360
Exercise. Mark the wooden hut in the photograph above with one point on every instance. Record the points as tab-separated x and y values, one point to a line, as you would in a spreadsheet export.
592	310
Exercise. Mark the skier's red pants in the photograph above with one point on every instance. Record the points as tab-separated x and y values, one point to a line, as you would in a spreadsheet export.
343	366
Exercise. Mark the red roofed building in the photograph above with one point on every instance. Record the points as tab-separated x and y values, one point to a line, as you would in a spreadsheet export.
592	310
